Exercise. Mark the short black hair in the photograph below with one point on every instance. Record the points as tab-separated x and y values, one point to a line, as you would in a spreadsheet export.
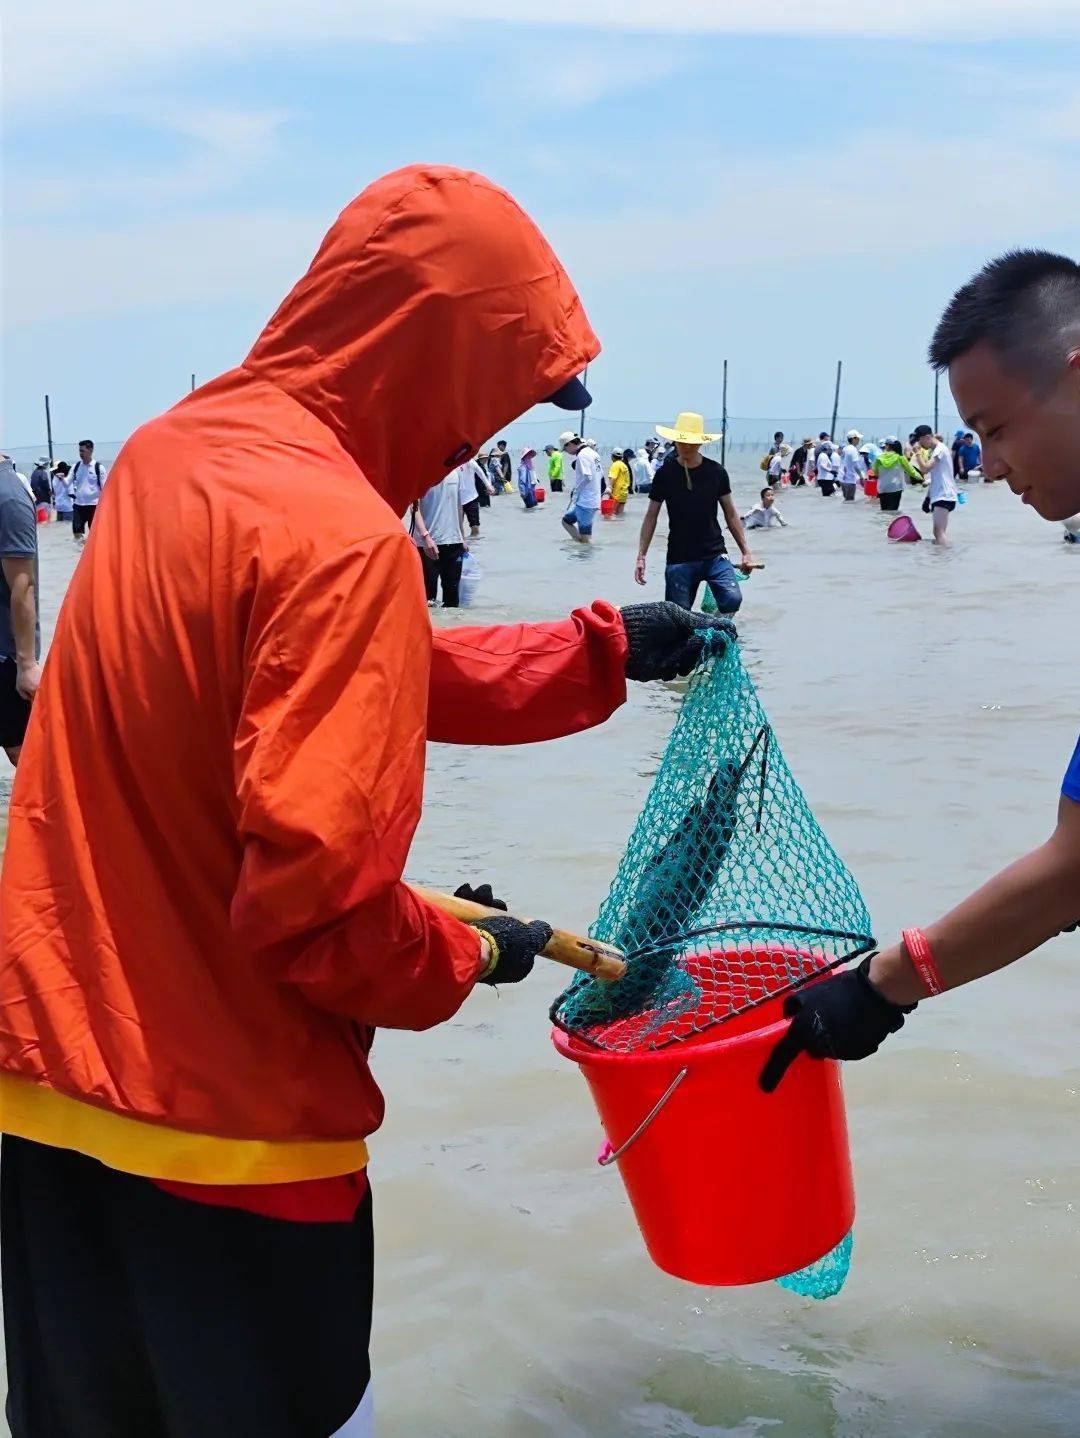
1026	304
767	490
500	444
779	434
894	445
88	442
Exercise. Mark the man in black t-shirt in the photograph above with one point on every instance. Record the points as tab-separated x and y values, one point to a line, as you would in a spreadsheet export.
695	490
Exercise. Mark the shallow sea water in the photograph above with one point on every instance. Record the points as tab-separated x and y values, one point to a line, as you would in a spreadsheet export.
927	702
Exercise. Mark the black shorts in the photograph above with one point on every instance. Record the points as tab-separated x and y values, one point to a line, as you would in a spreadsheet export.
472	512
14	709
131	1313
949	504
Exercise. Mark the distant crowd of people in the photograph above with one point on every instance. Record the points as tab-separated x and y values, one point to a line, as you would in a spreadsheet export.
881	470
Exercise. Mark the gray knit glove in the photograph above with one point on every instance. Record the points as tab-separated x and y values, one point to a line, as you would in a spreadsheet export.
666	640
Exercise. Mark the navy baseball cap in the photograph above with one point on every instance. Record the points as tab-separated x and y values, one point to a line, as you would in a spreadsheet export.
572	395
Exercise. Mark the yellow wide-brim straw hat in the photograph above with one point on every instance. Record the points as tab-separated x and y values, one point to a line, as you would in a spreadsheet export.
687	429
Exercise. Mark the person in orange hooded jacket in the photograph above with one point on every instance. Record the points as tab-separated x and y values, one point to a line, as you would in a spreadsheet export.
203	924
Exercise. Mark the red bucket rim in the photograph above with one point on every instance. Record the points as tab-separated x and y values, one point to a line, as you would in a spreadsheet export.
577	1049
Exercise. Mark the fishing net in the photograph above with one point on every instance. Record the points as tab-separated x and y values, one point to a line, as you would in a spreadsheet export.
728	894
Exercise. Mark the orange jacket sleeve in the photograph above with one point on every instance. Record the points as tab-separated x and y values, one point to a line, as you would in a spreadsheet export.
329	764
520	683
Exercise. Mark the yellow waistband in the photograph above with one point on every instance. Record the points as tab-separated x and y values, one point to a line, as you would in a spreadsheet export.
29	1110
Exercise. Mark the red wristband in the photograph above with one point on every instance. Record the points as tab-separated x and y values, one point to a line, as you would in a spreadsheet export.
918	948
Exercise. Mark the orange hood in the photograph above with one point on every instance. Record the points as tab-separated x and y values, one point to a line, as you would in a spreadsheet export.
433	314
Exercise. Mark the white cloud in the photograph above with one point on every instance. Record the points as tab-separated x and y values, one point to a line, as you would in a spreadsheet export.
867	197
115	39
219	146
155	264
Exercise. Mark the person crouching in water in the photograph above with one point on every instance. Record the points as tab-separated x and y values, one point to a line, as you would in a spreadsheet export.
202	930
765	514
619	479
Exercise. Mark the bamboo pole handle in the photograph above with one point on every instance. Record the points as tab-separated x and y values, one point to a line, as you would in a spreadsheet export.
588	955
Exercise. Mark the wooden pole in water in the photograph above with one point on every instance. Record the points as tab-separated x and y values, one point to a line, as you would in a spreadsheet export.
937	382
723	421
836	400
581	422
48	428
193	383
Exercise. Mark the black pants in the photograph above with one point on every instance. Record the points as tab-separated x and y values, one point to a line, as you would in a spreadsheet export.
472	513
890	499
446	568
483	499
131	1312
82	517
827	486
556	486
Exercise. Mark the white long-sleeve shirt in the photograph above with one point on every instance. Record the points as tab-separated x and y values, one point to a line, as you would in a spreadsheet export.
853	465
762	518
87	481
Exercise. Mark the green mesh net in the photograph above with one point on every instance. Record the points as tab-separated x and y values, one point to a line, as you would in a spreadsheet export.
728	894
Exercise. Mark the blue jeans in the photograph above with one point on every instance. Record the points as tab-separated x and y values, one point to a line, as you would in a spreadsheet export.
681	583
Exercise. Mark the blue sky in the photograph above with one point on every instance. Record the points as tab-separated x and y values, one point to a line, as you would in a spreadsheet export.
720	180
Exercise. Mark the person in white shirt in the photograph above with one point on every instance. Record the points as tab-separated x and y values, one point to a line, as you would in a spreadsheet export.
62	492
852	465
778	463
935	461
471	479
585	498
828	467
641	471
765	514
437	526
87	479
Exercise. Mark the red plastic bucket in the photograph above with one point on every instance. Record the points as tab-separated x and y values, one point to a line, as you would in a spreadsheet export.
607	508
729	1185
541	494
42	513
871	487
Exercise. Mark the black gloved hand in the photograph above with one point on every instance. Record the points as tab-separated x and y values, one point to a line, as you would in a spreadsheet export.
481	895
843	1017
514	947
666	640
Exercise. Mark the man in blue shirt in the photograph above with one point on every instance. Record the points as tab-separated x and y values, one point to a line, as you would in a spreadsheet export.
968	456
1010	341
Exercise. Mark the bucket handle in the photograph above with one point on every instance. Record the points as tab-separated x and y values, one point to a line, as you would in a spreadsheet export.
610	1155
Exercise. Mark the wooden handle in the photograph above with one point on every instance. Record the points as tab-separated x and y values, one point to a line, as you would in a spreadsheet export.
591	957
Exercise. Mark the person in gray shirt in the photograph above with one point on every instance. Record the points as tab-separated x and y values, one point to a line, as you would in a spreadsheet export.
20	631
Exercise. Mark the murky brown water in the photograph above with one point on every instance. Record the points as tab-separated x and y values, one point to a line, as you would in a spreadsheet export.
927	702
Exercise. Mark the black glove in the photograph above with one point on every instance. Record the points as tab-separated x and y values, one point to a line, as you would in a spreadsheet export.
843	1017
514	945
666	640
482	895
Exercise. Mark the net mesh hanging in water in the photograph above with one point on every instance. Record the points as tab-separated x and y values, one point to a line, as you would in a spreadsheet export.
728	893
